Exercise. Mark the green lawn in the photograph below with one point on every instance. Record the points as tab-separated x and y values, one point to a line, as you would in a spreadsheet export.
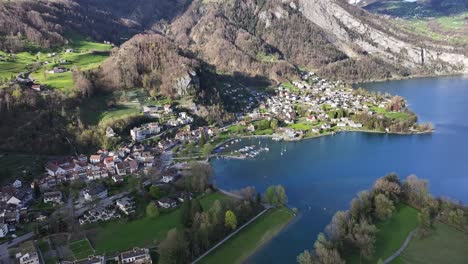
119	236
81	249
238	248
392	233
95	109
444	245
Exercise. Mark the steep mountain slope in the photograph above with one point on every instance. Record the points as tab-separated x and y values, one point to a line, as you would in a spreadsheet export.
153	62
330	36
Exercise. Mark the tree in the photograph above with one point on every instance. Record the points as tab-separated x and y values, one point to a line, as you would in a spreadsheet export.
17	93
173	249
155	192
383	206
416	191
276	195
36	190
185	212
151	210
202	140
337	229
230	220
199	178
207	149
305	258
362	235
361	206
456	217
326	252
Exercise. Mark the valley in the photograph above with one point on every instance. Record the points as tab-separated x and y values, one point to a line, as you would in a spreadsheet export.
190	131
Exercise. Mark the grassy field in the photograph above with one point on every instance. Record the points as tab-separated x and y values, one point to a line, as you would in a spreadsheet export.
86	55
392	233
142	231
95	109
245	243
81	249
444	245
445	28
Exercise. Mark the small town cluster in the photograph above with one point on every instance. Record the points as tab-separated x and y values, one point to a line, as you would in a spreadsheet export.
306	107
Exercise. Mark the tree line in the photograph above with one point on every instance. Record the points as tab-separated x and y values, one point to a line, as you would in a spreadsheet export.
354	230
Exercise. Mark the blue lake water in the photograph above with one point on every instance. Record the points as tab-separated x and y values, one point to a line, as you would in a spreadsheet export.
322	175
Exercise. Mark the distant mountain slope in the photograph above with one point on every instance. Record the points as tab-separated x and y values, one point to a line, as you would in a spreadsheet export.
413	9
330	36
27	22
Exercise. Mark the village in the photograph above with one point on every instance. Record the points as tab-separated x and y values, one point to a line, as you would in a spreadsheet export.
96	188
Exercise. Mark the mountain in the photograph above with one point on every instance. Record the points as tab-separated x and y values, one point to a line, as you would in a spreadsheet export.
267	38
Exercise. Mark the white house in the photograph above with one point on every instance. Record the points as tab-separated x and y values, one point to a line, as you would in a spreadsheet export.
17	184
167	179
166	203
126	205
136	256
97	192
29	258
53	197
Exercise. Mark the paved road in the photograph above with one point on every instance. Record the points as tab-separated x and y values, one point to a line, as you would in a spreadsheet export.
403	247
4	256
231	235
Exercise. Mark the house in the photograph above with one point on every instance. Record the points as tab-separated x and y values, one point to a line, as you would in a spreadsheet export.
29	258
57	70
109	161
95	158
96	192
13	200
3	229
167	179
117	178
126	205
140	133
166	203
121	168
36	87
136	256
17	184
53	197
54	170
91	260
132	165
110	132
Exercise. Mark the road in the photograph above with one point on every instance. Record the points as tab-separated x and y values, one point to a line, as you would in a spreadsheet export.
4	256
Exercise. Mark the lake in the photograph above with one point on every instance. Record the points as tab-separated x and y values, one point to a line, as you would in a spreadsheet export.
322	175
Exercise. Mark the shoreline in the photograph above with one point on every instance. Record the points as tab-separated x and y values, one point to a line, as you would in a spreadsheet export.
402	78
213	155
